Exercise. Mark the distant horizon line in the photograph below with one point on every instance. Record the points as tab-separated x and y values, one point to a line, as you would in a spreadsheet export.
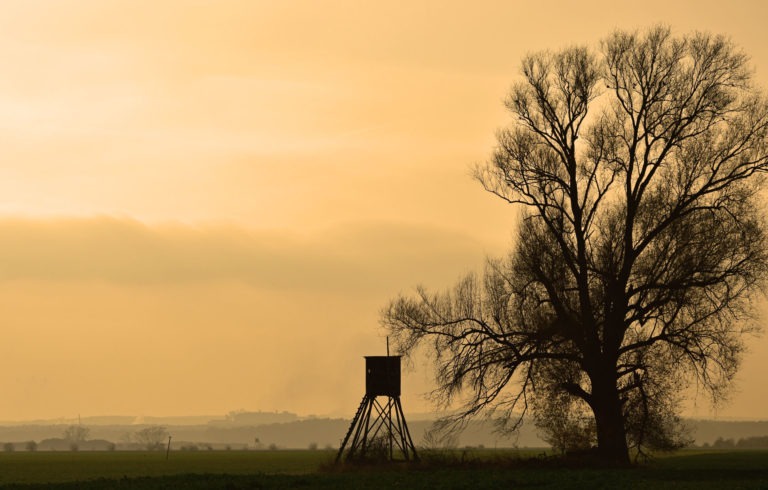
141	418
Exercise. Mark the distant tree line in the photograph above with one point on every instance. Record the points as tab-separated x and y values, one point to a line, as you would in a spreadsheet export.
754	442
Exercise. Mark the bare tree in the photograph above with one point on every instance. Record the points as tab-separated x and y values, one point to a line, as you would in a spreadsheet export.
152	437
637	171
76	434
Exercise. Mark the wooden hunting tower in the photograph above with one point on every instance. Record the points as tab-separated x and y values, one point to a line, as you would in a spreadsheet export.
378	426
382	375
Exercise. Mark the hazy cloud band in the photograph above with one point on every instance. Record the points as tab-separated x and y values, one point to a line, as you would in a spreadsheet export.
352	257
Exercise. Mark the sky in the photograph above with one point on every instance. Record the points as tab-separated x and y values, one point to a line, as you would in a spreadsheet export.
204	205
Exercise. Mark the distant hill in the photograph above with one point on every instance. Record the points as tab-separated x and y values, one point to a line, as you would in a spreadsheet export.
241	418
708	431
319	432
260	430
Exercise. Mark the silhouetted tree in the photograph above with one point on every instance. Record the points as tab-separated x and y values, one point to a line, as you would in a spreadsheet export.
641	244
76	434
152	437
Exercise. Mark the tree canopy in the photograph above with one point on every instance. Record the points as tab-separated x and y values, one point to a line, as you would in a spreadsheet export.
637	171
152	436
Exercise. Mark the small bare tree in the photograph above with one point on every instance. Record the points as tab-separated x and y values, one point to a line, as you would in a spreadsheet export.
642	243
152	437
76	433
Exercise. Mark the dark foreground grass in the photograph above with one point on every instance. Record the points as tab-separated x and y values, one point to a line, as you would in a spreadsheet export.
311	469
60	467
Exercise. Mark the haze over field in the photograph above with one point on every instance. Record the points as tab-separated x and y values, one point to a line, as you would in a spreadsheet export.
204	205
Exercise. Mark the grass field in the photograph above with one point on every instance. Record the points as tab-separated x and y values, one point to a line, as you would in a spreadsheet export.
312	469
44	467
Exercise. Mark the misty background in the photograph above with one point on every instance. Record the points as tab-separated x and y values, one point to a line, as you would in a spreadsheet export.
204	205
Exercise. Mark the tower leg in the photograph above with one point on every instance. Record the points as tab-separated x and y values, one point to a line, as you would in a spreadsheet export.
405	434
365	430
363	412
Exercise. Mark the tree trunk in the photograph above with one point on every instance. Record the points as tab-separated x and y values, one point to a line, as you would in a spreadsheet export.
612	446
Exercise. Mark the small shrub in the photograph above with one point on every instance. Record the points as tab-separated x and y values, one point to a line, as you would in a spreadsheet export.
313	446
376	452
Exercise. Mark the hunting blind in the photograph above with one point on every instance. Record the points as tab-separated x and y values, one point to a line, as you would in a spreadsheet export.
382	375
379	425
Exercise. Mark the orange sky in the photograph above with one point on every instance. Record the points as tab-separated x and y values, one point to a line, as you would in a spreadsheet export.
204	204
